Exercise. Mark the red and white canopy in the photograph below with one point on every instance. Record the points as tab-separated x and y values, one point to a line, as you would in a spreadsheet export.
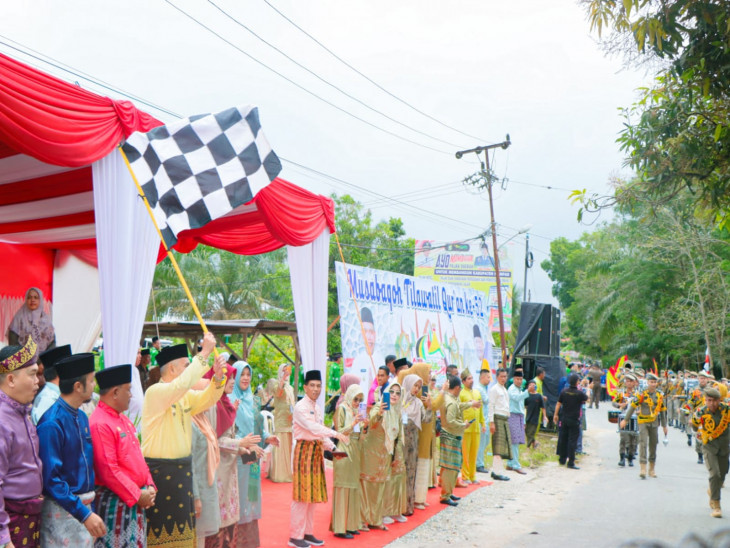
62	196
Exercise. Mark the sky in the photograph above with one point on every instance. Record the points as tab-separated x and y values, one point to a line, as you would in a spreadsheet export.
527	68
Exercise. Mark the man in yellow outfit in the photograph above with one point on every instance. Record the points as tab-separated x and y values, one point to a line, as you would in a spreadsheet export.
471	437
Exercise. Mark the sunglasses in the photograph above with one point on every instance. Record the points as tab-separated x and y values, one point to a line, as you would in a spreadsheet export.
395	392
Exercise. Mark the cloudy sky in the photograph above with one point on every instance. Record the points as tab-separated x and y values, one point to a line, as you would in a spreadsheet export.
529	68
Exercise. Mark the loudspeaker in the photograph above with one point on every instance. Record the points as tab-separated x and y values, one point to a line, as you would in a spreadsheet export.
544	337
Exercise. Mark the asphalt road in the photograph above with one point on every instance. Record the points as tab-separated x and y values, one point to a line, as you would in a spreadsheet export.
616	505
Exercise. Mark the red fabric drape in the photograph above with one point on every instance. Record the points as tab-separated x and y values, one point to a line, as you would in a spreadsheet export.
286	215
59	123
50	186
30	267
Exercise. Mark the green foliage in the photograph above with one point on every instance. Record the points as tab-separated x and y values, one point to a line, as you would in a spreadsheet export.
676	135
264	358
652	284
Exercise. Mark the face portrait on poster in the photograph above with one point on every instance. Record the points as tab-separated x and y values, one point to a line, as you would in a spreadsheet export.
418	319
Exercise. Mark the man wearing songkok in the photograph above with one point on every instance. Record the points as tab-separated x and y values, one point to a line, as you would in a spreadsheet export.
498	419
21	482
651	410
50	392
68	460
711	421
312	438
452	430
124	485
167	439
471	435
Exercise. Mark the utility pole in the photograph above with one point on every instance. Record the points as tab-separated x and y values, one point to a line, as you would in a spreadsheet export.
488	176
528	265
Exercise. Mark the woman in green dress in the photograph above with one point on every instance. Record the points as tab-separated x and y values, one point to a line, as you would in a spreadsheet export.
346	496
379	446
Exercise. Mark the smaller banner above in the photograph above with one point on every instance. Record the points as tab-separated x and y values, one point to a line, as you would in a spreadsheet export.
408	317
468	264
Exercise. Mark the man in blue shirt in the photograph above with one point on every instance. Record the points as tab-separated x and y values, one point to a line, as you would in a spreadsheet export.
67	518
485	377
50	393
517	399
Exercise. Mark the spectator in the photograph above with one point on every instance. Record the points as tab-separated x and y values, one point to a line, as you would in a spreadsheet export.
50	393
569	402
20	468
485	377
535	414
32	319
125	488
516	421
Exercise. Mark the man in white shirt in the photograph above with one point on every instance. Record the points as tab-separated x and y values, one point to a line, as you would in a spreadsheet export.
498	418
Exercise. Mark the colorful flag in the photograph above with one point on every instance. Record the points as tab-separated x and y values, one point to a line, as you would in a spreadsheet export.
196	170
707	366
656	367
612	376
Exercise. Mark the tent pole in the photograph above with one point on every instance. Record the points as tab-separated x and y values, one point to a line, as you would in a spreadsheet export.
169	253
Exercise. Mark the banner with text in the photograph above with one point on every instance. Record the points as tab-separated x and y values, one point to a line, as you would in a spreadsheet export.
414	318
468	264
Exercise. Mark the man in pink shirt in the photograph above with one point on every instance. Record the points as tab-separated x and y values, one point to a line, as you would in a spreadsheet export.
124	485
309	487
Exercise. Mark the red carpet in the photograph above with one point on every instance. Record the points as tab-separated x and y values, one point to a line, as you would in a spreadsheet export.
274	524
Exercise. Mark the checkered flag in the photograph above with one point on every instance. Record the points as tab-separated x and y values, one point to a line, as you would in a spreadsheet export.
200	168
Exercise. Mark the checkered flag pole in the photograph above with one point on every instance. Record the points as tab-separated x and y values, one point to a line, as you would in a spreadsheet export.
197	170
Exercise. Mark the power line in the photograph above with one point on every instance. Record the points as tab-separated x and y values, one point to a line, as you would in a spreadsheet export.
280	75
395	201
348	65
71	70
325	81
80	74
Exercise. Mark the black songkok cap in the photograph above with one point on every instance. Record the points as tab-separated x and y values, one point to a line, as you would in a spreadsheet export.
366	316
145	352
50	357
401	362
313	375
114	376
76	365
170	353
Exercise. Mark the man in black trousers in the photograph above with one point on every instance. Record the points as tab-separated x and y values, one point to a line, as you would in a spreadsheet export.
570	403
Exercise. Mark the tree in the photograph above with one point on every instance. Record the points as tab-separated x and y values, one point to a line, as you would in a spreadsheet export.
676	135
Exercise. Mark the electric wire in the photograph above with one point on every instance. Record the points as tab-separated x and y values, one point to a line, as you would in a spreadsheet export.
299	86
327	82
348	65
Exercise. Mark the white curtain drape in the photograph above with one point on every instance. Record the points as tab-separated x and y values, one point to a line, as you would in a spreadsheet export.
77	320
127	245
308	271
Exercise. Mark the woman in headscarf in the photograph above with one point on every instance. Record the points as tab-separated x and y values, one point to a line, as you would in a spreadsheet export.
395	495
378	449
346	520
346	381
32	319
427	447
227	474
380	384
418	410
284	401
248	421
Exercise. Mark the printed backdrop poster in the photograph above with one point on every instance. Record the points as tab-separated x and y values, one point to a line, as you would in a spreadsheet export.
415	318
468	264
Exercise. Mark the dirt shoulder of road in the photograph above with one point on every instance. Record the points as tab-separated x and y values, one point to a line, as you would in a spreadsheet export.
497	514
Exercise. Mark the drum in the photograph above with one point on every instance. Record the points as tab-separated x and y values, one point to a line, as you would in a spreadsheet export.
632	425
613	416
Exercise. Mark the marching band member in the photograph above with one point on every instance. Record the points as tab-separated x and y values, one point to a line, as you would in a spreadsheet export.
650	406
627	438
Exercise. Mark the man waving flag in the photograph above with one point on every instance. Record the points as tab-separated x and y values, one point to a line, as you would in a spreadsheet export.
200	168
